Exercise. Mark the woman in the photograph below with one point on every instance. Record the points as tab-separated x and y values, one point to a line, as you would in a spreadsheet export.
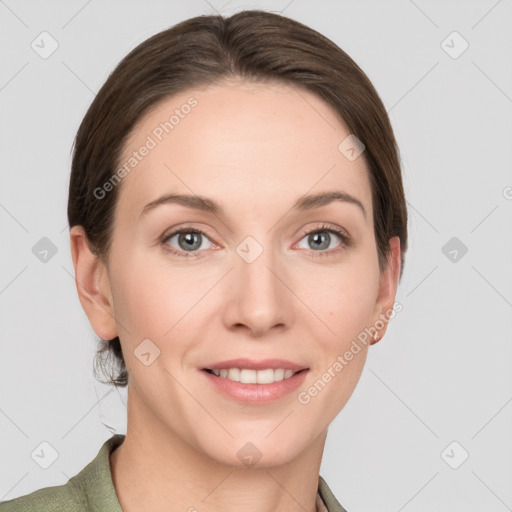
238	229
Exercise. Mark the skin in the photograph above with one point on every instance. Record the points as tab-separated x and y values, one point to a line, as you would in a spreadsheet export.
254	149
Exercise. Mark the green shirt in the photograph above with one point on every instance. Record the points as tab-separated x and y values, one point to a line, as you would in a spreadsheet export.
92	490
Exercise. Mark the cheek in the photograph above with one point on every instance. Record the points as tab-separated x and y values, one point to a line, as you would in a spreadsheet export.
146	296
344	301
351	307
157	299
344	297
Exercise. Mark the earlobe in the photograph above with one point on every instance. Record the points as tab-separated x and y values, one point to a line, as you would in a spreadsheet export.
93	285
387	289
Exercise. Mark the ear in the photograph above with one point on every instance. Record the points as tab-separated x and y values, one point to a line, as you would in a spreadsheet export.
387	288
93	285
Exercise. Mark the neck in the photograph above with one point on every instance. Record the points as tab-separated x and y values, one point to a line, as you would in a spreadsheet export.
156	469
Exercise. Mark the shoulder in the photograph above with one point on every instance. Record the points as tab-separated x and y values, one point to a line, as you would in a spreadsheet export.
50	499
90	490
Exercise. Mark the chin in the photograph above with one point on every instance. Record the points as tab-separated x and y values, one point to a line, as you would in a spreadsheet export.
253	451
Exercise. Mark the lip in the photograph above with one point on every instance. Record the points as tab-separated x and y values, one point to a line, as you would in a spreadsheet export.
255	393
252	364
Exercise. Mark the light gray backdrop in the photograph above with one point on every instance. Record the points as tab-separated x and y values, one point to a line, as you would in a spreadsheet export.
429	425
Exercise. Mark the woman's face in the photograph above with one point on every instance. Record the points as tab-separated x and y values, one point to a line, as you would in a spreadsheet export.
254	284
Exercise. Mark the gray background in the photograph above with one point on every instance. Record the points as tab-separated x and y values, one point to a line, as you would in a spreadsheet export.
442	372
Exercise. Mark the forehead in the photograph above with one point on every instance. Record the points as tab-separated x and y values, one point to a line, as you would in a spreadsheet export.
241	143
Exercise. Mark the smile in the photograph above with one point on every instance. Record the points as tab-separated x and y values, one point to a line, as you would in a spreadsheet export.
248	390
248	376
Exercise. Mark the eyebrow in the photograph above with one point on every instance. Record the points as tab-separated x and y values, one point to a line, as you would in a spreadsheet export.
307	202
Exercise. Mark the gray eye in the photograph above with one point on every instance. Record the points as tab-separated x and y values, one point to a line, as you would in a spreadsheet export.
188	240
320	240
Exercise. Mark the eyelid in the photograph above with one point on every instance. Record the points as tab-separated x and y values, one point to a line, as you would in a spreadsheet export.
346	240
325	226
185	227
176	230
343	235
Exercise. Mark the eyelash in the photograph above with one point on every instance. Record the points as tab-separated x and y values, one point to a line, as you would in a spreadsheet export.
345	241
344	244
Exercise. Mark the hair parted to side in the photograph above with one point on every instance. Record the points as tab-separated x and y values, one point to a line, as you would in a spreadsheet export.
253	46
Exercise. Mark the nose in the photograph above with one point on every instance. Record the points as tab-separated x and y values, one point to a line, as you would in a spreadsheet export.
258	299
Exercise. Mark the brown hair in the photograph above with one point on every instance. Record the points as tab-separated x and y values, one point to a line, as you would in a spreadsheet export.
251	45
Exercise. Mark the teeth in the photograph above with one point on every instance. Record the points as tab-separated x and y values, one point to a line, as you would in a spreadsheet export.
246	376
